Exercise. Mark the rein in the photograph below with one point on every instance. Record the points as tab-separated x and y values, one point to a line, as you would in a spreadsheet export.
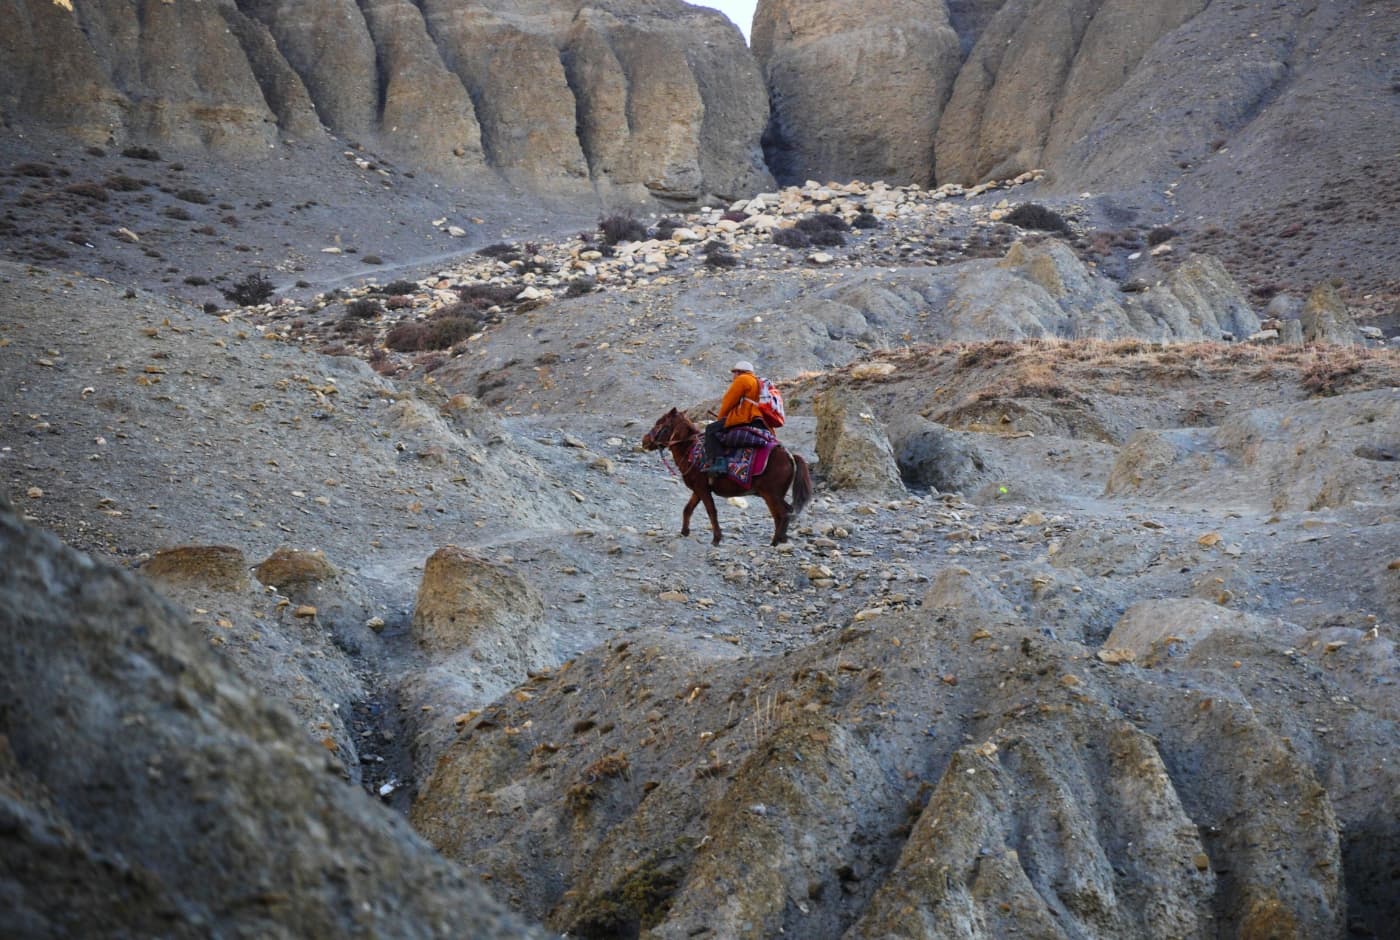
688	435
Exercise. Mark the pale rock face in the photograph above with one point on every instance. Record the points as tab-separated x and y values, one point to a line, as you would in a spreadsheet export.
1325	318
857	90
626	99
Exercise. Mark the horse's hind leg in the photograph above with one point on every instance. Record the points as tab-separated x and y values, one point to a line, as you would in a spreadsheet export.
779	508
714	515
690	508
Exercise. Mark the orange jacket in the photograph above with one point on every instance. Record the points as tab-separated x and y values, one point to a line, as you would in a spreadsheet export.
740	404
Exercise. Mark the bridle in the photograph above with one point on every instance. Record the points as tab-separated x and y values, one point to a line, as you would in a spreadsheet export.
686	432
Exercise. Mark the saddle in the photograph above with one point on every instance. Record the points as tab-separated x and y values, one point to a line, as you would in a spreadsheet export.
743	462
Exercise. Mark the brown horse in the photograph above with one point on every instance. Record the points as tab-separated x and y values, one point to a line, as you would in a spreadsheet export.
676	431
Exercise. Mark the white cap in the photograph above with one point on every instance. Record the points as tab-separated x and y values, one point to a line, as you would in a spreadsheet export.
743	365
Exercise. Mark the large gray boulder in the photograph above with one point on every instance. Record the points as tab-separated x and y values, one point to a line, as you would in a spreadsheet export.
929	454
148	791
854	452
1155	630
1325	318
1198	300
484	628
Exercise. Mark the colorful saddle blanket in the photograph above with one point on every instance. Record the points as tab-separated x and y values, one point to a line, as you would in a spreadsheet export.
745	463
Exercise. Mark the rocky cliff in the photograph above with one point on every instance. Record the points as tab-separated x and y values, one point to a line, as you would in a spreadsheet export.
1101	92
1194	97
653	98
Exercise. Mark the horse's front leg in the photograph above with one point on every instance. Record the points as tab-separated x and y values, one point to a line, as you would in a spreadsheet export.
690	508
714	515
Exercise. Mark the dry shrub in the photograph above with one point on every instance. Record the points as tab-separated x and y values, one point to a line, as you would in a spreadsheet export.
443	330
721	259
500	251
1330	367
121	183
791	238
482	296
822	222
94	191
398	288
621	228
580	286
1032	215
196	196
667	226
363	309
407	337
252	290
982	354
827	238
431	362
141	153
1161	235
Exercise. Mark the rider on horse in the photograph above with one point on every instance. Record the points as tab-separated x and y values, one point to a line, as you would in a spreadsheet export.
738	409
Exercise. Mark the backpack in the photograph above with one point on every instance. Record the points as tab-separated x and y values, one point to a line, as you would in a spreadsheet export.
770	404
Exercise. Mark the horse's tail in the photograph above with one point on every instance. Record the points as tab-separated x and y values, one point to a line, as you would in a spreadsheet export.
801	484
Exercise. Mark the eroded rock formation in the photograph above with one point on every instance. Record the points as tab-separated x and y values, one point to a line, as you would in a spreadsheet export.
659	99
916	776
146	788
1102	93
857	89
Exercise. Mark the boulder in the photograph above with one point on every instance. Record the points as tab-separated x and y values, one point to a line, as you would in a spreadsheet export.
468	603
307	579
484	626
207	567
1325	318
931	455
291	570
970	594
1035	291
1199	300
852	447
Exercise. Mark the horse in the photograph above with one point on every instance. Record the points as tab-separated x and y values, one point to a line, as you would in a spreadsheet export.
675	430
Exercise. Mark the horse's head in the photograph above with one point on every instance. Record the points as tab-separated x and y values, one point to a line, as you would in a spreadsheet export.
667	430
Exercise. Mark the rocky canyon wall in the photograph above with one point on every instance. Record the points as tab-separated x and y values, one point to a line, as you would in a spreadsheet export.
630	98
1100	93
633	98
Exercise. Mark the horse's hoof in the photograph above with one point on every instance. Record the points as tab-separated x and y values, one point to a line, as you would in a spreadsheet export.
684	532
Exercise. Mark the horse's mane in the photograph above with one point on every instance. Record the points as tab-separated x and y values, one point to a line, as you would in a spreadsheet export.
690	422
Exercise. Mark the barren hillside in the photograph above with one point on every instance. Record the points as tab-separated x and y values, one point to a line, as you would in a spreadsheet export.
340	596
